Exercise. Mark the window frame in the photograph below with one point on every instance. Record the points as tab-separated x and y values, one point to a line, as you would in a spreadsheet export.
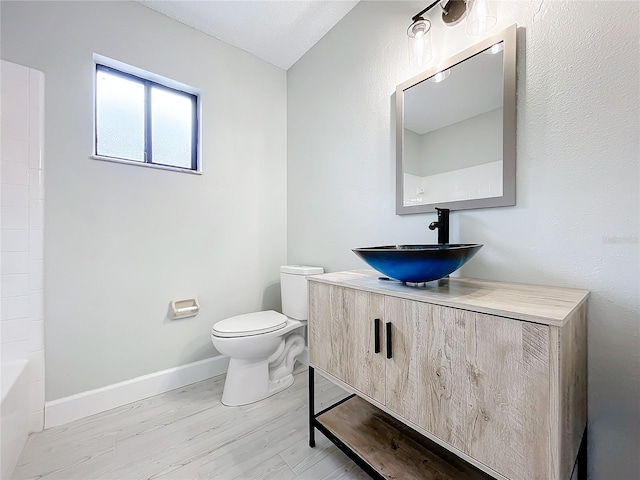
149	81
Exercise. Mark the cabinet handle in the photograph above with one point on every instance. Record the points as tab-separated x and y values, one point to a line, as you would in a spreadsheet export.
376	332
388	326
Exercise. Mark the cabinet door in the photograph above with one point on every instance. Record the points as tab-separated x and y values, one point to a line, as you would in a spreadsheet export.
401	385
342	336
478	382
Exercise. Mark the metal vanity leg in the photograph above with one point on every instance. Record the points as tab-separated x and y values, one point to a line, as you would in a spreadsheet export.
582	457
312	430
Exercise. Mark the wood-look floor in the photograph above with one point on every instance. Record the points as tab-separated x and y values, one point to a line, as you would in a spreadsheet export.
188	434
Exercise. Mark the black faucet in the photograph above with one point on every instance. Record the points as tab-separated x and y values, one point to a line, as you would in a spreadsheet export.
442	225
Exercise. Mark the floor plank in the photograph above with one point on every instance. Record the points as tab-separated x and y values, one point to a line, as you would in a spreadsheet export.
274	468
188	434
334	466
300	457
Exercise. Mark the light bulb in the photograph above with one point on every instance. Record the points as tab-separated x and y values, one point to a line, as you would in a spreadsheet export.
497	48
440	76
419	44
419	33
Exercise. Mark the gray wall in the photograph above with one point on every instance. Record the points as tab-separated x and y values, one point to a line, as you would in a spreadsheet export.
122	241
412	159
475	141
471	142
576	222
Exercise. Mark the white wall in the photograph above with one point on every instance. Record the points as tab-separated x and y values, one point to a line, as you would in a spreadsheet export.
412	159
474	141
122	241
479	181
576	222
22	234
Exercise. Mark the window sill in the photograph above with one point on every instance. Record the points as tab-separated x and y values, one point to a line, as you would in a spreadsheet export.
147	165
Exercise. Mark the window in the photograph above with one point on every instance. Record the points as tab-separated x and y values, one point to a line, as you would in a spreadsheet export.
141	120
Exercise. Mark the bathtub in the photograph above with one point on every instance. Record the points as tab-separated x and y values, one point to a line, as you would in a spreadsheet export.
14	408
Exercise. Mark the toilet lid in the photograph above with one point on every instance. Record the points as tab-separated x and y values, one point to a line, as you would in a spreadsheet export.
249	324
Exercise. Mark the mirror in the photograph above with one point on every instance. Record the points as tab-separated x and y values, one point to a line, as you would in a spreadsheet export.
456	131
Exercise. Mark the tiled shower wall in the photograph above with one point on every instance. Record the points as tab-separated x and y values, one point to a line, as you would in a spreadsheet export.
22	234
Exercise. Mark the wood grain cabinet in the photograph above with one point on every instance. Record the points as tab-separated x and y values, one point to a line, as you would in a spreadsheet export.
496	373
343	334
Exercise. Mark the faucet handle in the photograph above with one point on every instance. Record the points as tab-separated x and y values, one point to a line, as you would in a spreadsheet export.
442	225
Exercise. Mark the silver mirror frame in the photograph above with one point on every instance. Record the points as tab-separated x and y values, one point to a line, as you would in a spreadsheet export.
508	198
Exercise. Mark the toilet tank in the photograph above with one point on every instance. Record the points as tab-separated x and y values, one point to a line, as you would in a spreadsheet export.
293	287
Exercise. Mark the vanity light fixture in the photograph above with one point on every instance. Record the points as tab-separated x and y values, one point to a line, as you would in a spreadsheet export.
480	19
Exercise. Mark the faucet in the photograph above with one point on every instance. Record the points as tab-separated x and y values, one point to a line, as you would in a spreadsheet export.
442	224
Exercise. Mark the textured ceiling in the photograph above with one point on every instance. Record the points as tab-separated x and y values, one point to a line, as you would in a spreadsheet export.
279	32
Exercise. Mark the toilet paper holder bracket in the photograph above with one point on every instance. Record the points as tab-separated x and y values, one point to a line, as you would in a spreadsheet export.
188	307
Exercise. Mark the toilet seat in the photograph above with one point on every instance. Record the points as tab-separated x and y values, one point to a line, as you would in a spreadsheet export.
249	324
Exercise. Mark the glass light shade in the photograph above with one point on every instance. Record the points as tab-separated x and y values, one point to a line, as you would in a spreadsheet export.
481	17
494	49
419	33
440	76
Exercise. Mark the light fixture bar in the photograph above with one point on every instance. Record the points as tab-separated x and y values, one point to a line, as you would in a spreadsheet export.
419	14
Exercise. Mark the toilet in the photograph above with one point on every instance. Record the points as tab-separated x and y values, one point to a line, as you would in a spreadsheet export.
262	346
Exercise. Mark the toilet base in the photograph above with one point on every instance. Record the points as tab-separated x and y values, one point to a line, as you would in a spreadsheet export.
251	380
247	384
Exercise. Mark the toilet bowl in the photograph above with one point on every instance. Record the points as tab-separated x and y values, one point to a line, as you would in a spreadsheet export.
262	346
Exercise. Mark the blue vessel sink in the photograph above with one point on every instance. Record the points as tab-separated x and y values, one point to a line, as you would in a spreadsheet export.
418	263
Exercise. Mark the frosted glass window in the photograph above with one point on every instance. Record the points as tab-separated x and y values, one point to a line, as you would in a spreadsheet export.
144	121
119	116
171	127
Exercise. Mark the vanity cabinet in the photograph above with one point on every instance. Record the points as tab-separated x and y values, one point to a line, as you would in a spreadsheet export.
495	373
345	320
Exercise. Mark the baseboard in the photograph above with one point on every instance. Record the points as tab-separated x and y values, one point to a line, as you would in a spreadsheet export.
74	407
